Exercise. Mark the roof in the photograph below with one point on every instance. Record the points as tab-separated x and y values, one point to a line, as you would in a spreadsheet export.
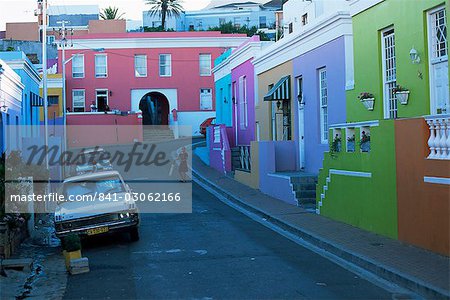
90	176
55	10
222	3
175	34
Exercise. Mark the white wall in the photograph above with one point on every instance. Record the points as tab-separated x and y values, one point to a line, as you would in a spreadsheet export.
189	122
293	10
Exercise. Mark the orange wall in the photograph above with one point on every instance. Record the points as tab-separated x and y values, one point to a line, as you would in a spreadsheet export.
107	26
423	208
26	31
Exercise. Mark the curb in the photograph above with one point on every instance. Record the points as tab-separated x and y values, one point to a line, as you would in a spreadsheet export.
385	272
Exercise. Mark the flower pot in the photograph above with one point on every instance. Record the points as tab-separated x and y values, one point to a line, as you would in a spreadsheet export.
402	97
368	103
350	146
68	256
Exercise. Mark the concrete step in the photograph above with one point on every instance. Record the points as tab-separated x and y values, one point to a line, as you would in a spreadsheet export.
304	180
305	201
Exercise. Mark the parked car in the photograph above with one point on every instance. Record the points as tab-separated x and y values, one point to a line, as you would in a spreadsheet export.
205	124
87	210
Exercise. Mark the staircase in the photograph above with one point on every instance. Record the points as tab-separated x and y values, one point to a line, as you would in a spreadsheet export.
304	187
155	135
235	158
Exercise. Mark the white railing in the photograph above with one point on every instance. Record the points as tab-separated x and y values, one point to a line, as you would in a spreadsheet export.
439	140
244	158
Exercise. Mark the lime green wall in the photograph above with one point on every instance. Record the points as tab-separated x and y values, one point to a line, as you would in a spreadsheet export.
368	203
408	17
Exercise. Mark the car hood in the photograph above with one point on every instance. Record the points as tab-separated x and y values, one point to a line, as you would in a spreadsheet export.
81	209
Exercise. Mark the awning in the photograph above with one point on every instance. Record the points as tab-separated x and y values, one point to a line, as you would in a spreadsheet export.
280	91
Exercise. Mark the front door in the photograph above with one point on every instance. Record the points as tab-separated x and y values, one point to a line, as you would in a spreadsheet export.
438	49
301	122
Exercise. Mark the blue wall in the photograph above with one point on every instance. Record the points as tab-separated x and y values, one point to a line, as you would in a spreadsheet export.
18	61
224	103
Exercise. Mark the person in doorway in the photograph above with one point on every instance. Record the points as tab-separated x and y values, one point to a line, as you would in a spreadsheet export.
93	107
107	108
183	167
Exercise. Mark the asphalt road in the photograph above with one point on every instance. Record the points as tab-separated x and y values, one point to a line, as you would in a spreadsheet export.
213	253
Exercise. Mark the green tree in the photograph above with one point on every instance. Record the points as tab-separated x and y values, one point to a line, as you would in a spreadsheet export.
164	9
111	13
230	28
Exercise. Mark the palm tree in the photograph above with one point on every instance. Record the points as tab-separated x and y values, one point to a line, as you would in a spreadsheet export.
165	8
111	13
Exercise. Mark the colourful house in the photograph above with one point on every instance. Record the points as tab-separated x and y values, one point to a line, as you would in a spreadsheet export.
31	101
300	91
388	166
234	75
166	75
222	79
11	95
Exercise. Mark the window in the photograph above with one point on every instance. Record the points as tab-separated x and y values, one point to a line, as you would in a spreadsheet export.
323	94
165	65
291	27
50	39
205	64
222	21
206	99
389	73
438	26
438	61
305	19
262	22
140	65
101	66
237	22
53	100
102	99
78	100
243	104
78	66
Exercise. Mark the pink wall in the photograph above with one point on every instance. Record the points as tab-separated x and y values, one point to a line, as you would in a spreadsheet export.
88	130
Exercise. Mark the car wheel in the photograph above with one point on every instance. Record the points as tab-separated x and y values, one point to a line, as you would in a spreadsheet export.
134	234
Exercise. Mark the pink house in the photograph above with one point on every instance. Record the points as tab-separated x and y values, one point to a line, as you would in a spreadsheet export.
166	75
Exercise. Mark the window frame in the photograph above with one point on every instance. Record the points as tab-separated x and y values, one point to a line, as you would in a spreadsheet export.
73	100
209	60
169	65
136	67
388	84
78	56
323	105
106	66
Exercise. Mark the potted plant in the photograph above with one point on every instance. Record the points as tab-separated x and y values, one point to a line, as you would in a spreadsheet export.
364	143
401	93
335	145
367	99
351	144
71	245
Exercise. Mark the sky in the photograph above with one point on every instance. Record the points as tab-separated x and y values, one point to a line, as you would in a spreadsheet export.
23	10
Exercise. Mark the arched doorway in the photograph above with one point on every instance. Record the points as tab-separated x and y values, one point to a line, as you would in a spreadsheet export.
155	109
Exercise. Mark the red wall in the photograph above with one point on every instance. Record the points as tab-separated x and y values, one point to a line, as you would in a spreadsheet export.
423	208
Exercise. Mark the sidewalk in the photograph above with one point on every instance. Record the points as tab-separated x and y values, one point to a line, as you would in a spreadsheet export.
418	270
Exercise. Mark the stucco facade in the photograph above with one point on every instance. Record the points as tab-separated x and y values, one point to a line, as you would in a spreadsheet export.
11	94
184	88
395	186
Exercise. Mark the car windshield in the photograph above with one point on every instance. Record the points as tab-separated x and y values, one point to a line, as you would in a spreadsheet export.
103	185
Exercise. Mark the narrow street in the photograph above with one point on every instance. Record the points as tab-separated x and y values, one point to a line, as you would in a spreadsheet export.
215	252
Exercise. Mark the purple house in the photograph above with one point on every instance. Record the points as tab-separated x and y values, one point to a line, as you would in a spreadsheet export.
319	84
